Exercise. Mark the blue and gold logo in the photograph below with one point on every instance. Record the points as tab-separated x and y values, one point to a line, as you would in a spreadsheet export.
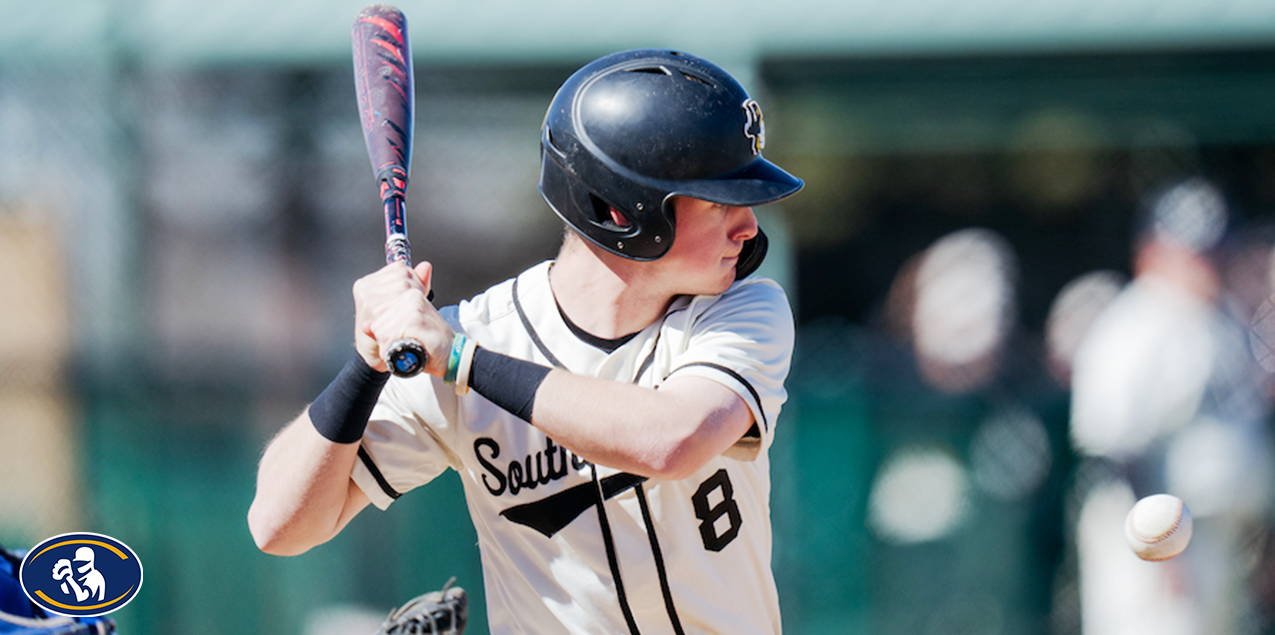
81	575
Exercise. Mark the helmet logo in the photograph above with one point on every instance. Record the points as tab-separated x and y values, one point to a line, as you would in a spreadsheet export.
754	126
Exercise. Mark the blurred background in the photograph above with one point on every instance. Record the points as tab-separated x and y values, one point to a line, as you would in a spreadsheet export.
185	200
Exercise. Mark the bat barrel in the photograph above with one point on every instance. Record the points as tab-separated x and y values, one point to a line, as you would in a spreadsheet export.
384	85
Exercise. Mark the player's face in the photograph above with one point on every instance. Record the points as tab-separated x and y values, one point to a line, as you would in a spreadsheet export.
707	245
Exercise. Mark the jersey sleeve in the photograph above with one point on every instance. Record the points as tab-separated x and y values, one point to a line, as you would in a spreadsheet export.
744	341
407	441
409	437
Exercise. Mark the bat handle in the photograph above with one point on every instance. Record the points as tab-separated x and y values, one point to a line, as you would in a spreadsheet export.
397	249
405	357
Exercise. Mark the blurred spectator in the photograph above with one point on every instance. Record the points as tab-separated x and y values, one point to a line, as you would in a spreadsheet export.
956	303
971	436
1166	398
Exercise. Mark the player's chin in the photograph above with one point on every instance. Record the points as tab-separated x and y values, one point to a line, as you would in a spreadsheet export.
726	275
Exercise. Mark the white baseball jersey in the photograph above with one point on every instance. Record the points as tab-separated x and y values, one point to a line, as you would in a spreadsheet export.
571	547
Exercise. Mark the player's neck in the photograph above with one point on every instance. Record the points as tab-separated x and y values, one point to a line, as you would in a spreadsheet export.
603	294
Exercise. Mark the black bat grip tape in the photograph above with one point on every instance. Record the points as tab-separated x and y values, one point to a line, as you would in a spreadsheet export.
406	357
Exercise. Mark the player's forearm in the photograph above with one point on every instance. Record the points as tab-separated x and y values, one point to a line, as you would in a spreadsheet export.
656	433
304	491
666	434
303	485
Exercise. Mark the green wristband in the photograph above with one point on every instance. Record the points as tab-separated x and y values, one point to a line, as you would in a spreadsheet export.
453	362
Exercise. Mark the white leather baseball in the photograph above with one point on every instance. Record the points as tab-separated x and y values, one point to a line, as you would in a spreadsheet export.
1158	527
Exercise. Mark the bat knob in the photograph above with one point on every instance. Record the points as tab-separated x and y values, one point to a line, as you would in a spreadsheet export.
406	357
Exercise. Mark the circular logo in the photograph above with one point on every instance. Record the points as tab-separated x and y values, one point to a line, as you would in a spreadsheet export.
81	574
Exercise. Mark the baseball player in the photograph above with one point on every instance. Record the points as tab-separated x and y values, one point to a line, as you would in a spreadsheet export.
609	411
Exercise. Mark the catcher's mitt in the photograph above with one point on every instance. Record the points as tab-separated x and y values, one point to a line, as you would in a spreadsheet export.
434	613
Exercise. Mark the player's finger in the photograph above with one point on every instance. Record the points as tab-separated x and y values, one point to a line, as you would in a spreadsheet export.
425	273
412	316
392	274
399	275
367	347
377	290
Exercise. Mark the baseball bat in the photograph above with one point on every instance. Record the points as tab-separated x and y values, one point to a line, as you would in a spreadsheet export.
383	82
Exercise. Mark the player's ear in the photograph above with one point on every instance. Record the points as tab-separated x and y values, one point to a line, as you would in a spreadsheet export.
619	219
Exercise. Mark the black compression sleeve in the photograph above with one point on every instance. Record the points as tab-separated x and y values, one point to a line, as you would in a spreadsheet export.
506	381
341	411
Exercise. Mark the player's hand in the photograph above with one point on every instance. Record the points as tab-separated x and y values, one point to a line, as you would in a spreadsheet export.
393	303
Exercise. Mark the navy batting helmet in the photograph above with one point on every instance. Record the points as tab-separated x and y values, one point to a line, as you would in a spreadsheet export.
631	130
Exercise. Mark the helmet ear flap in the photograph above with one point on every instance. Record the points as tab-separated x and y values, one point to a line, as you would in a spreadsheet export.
753	253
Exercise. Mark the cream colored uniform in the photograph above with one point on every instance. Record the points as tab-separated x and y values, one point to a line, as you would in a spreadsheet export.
687	556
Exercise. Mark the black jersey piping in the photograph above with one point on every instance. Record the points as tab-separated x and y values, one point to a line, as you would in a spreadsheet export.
608	541
739	378
660	569
646	363
650	358
607	346
376	474
531	331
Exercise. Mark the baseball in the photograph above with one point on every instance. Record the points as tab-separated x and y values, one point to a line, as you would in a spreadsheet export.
1158	527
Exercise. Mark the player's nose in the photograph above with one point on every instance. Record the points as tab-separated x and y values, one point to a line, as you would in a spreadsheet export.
744	223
